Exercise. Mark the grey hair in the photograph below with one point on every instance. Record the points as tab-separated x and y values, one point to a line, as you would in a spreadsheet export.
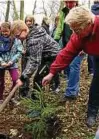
79	16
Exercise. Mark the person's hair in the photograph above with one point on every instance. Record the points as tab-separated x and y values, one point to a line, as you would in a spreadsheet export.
79	17
96	1
18	25
6	25
45	20
31	18
57	18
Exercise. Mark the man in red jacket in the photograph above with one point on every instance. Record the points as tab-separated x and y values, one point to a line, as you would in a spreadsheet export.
85	37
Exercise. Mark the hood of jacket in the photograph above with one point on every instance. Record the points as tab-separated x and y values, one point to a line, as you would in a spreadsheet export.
36	31
95	9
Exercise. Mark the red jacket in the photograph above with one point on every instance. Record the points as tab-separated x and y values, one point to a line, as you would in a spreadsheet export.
89	45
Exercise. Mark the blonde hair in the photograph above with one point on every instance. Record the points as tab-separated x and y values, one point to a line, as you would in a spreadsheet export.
79	17
57	18
31	18
6	25
18	25
46	20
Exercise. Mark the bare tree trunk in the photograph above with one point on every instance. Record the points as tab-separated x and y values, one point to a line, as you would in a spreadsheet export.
15	10
45	12
7	11
34	7
22	9
89	3
61	5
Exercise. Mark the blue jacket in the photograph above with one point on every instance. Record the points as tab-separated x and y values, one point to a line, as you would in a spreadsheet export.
95	8
13	55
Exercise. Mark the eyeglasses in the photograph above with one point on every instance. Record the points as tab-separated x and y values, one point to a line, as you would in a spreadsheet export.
18	35
77	31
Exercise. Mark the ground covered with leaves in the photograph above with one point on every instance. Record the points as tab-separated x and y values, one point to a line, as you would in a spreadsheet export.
72	114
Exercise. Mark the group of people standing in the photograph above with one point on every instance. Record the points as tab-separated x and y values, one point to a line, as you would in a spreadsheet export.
77	28
84	24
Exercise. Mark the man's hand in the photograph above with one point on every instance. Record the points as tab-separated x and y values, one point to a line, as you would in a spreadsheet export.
47	79
19	82
4	65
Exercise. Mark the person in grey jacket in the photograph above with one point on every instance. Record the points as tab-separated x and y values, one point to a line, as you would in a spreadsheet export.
24	90
42	50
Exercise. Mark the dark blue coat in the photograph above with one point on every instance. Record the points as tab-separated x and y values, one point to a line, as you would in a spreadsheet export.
95	8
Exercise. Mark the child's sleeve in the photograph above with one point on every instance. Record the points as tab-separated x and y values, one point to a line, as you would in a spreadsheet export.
1	60
19	47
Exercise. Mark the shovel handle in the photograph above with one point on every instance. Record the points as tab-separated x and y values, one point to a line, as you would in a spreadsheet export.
8	98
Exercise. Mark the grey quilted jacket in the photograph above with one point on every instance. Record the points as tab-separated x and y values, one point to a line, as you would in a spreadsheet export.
39	46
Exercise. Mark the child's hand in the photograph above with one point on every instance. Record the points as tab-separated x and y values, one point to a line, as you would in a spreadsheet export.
19	82
10	63
4	65
24	52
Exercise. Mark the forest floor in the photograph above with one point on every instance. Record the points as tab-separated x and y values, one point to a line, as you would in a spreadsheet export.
73	114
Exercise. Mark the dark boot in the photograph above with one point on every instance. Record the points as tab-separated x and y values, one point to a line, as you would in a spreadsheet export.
63	99
91	120
91	116
24	90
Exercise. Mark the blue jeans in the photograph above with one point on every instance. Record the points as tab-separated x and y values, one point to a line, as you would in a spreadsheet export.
72	88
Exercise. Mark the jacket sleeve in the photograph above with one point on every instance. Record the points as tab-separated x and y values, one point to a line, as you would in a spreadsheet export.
60	26
34	60
19	47
66	55
1	60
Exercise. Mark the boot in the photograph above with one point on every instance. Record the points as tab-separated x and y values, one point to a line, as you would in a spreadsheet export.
91	116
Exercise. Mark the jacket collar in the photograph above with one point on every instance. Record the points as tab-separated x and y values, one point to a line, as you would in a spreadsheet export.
65	10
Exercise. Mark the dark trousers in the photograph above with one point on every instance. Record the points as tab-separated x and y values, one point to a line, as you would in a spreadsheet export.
93	103
43	70
90	60
25	88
